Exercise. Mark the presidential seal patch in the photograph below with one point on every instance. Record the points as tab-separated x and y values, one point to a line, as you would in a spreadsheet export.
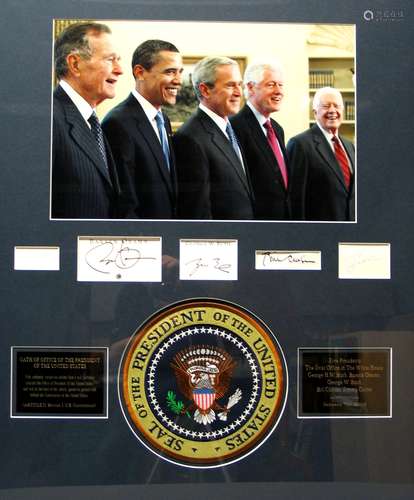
203	383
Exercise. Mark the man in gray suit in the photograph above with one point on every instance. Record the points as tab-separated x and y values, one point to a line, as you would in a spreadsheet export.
84	180
323	164
212	174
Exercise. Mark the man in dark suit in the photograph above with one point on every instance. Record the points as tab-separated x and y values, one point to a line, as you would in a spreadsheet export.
212	173
263	140
84	181
323	164
140	134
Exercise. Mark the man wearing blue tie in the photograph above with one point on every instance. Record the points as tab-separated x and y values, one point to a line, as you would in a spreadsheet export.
140	133
213	179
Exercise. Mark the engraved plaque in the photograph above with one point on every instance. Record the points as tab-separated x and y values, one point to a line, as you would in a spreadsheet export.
344	382
59	382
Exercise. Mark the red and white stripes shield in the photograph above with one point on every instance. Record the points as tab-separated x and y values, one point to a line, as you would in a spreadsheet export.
204	398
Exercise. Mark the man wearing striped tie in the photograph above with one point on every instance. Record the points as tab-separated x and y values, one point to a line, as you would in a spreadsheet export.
323	164
84	179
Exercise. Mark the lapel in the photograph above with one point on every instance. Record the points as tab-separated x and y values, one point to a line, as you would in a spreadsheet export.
145	130
325	151
82	135
281	139
349	151
221	142
259	137
112	167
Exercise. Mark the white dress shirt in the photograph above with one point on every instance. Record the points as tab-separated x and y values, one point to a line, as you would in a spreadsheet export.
221	124
328	136
84	108
149	110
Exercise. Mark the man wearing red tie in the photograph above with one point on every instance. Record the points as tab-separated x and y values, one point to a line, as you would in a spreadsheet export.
263	140
323	164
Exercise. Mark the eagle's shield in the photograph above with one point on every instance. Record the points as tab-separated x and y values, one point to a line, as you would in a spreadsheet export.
204	398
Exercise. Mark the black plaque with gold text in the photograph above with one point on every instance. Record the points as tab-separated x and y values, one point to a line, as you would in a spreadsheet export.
59	382
344	382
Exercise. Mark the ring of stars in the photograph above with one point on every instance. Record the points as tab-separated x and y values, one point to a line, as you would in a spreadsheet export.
203	435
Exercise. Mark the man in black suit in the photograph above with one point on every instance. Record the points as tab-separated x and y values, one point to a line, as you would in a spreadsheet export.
84	181
140	133
263	140
323	164
212	173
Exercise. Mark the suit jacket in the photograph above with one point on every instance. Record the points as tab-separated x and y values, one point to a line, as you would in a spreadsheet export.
82	187
148	187
211	181
318	191
271	196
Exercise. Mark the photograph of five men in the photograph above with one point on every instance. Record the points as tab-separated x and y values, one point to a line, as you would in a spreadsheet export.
227	158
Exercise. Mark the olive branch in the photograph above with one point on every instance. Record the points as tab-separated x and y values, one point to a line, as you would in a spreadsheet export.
174	405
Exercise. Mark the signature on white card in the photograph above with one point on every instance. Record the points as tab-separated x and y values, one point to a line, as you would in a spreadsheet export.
364	261
213	263
108	256
270	258
361	260
289	260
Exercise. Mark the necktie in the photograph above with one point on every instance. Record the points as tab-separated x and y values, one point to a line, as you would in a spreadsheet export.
163	137
273	142
98	135
233	141
342	160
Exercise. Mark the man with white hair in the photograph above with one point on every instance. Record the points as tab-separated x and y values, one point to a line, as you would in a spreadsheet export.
213	180
263	140
85	183
323	164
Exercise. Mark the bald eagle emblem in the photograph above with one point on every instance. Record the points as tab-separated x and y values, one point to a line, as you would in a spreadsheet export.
203	375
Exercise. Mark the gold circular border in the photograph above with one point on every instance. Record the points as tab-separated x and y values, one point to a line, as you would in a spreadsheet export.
172	443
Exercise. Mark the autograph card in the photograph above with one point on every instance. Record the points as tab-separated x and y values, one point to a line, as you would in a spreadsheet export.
288	260
364	261
208	259
119	258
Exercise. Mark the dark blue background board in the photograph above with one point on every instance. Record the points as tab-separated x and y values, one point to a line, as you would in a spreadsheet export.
367	458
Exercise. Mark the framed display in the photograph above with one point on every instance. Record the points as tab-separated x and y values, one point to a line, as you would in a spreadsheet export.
155	354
